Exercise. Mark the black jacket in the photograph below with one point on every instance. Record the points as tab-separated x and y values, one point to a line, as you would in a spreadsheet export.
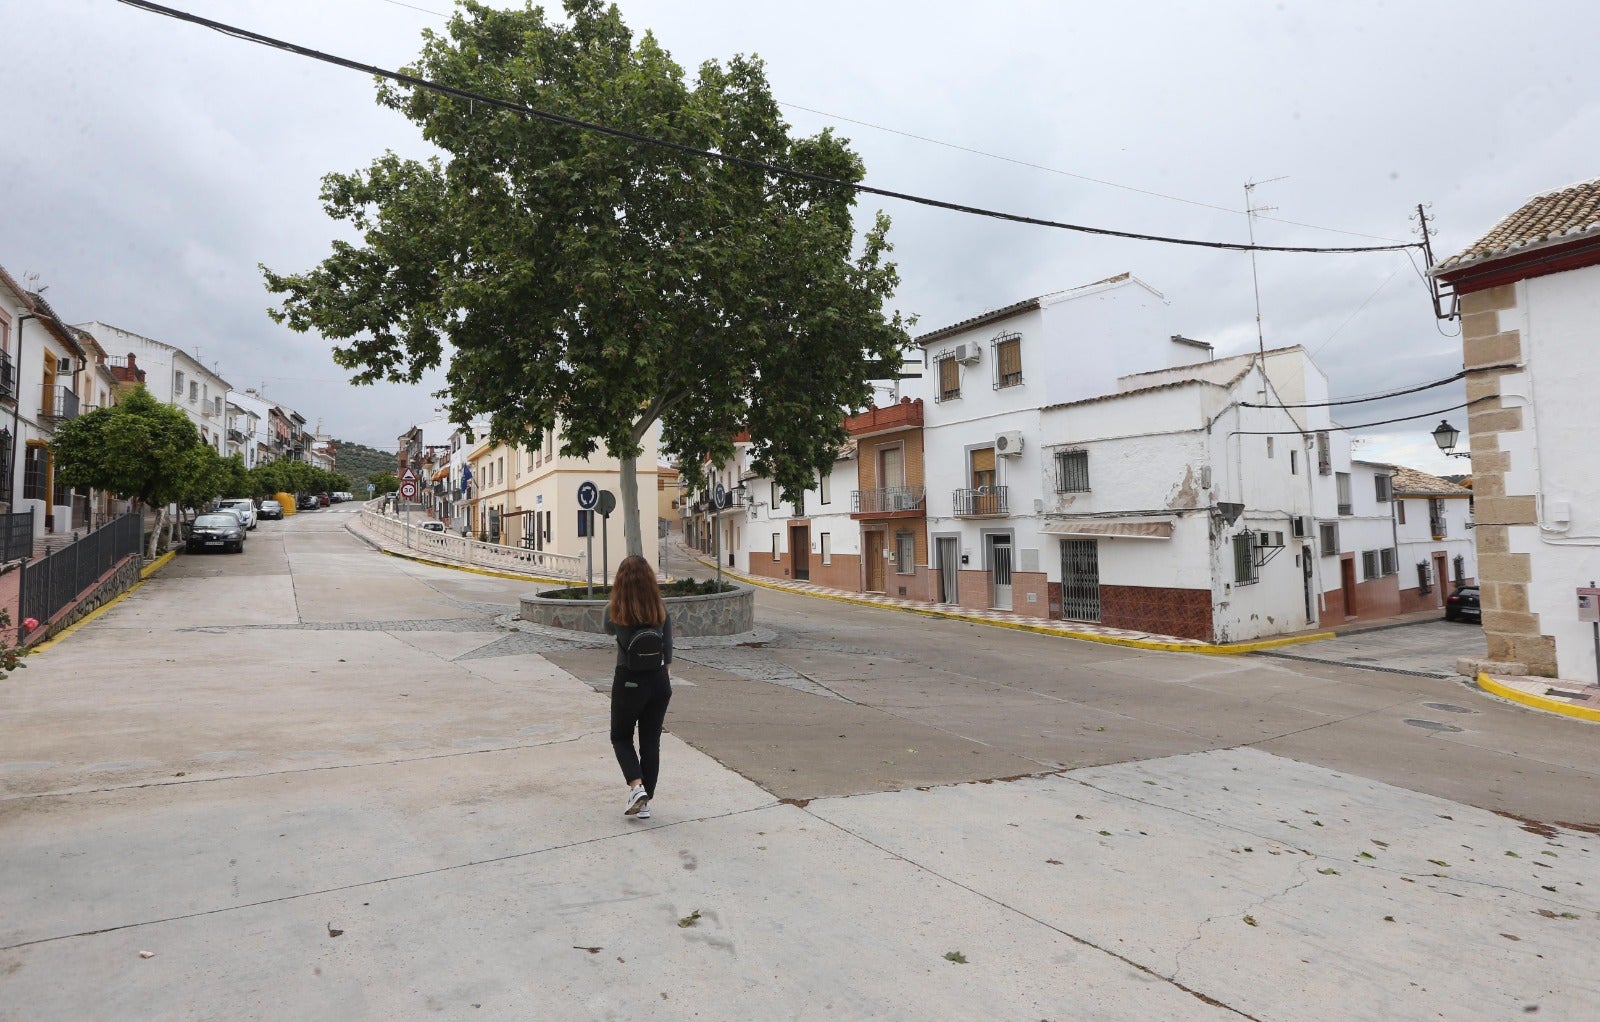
625	634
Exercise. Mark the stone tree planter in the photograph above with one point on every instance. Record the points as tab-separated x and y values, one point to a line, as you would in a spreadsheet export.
730	613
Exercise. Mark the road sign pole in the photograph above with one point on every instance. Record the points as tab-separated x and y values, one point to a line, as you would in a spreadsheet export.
588	558
605	551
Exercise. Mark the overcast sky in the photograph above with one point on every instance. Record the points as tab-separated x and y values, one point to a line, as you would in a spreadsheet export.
151	164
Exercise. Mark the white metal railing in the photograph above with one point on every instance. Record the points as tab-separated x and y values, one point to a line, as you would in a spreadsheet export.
469	551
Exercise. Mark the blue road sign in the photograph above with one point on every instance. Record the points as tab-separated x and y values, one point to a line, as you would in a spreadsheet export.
588	495
720	495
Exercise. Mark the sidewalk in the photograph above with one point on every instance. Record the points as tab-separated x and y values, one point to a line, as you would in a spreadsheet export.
1568	698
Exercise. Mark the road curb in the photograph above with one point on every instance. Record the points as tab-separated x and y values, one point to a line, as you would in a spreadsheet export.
452	565
1205	649
1528	699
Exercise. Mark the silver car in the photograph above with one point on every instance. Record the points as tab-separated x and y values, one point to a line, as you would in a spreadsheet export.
216	530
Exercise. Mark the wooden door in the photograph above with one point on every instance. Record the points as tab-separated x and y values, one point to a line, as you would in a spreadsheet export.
1441	578
875	558
1347	582
800	552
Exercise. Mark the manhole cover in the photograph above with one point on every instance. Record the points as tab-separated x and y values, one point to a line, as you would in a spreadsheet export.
1448	708
1431	725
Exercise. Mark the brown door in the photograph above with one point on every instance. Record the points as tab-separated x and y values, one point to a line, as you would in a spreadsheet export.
874	548
985	501
1441	578
800	552
1347	582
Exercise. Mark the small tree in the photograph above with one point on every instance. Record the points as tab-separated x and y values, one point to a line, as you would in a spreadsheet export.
603	282
138	449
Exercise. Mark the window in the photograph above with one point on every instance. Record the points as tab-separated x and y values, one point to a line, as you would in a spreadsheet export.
949	377
1436	517
826	541
1400	512
1244	559
194	391
775	555
1007	360
773	503
5	464
177	385
1460	564
905	553
1385	488
1324	454
1390	561
1424	577
1342	480
824	488
1294	462
1330	538
1369	564
1072	471
1269	446
35	466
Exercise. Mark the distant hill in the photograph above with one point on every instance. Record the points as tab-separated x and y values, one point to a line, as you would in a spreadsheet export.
359	462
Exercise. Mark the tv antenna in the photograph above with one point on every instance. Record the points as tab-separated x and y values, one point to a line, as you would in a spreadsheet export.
1250	212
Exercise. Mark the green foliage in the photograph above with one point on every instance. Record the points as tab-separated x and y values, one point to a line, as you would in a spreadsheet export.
360	462
606	282
288	476
139	448
383	482
11	653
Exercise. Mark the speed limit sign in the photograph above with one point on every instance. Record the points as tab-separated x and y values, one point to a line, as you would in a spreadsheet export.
408	490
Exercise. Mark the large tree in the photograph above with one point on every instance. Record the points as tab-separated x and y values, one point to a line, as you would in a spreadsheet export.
603	281
138	449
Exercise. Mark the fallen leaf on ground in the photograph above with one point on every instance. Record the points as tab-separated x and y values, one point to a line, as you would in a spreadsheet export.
690	919
955	956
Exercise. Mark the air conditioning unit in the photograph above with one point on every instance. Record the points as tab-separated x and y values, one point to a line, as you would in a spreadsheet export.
1302	526
968	353
903	502
64	366
1269	539
1008	444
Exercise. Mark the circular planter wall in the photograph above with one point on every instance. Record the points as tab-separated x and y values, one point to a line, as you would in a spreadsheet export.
728	613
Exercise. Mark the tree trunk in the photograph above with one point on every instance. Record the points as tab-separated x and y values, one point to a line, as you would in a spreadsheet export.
155	533
629	500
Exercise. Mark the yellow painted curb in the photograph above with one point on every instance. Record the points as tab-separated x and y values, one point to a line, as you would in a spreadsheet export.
1205	649
1493	687
144	573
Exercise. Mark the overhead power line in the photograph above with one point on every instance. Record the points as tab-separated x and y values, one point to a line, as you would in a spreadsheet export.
1362	425
554	118
1387	394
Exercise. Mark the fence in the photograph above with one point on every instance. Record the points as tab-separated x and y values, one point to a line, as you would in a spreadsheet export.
53	582
16	535
450	547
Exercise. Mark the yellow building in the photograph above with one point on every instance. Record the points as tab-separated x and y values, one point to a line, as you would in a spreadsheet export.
528	496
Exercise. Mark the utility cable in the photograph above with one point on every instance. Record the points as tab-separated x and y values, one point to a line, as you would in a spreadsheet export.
1387	394
1364	425
414	82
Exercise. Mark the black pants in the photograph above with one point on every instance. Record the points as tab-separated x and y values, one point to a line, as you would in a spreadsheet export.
639	700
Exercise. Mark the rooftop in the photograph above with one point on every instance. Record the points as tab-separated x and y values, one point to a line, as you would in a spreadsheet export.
1028	305
1410	482
1553	218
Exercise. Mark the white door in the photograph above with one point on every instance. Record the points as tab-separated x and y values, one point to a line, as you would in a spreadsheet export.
999	550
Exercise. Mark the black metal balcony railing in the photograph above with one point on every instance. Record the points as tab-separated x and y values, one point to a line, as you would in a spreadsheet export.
985	501
8	375
57	403
888	498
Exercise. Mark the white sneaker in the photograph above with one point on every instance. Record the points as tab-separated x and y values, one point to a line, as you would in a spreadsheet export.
644	814
638	799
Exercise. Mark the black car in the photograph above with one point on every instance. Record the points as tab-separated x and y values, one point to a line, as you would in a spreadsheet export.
218	530
1462	605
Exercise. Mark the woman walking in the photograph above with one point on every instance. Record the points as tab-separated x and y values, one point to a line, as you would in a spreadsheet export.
640	689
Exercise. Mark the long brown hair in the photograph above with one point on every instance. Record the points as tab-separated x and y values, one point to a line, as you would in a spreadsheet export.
635	596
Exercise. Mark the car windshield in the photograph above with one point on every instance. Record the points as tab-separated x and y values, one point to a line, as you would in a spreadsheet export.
216	522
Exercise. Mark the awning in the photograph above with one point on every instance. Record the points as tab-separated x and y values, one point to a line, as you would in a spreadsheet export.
1138	528
441	473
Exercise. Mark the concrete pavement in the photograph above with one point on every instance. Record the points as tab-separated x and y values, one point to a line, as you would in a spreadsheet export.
315	782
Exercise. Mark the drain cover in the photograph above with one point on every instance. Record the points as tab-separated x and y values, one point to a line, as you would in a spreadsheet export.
1448	708
1431	725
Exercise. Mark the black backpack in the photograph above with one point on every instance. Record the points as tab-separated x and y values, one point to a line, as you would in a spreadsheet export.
646	650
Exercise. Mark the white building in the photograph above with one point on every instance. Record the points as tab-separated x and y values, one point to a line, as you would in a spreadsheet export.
1529	294
174	376
249	427
1433	522
809	537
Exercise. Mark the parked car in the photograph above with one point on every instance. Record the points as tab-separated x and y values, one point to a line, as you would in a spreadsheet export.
432	526
245	506
340	496
270	509
308	502
237	515
1462	605
216	530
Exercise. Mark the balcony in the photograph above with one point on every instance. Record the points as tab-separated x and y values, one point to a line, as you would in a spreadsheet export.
8	376
889	500
983	502
905	415
57	403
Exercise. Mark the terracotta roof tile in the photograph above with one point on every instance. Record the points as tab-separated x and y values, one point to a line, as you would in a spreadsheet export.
1409	482
1554	217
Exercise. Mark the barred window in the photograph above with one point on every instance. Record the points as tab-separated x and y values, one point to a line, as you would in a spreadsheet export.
1330	538
1461	568
1385	488
1391	561
1342	481
6	482
949	378
1072	471
1007	360
905	553
1324	454
1244	559
35	467
1400	512
1369	564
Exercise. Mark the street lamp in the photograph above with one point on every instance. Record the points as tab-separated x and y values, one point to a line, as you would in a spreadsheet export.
1445	436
